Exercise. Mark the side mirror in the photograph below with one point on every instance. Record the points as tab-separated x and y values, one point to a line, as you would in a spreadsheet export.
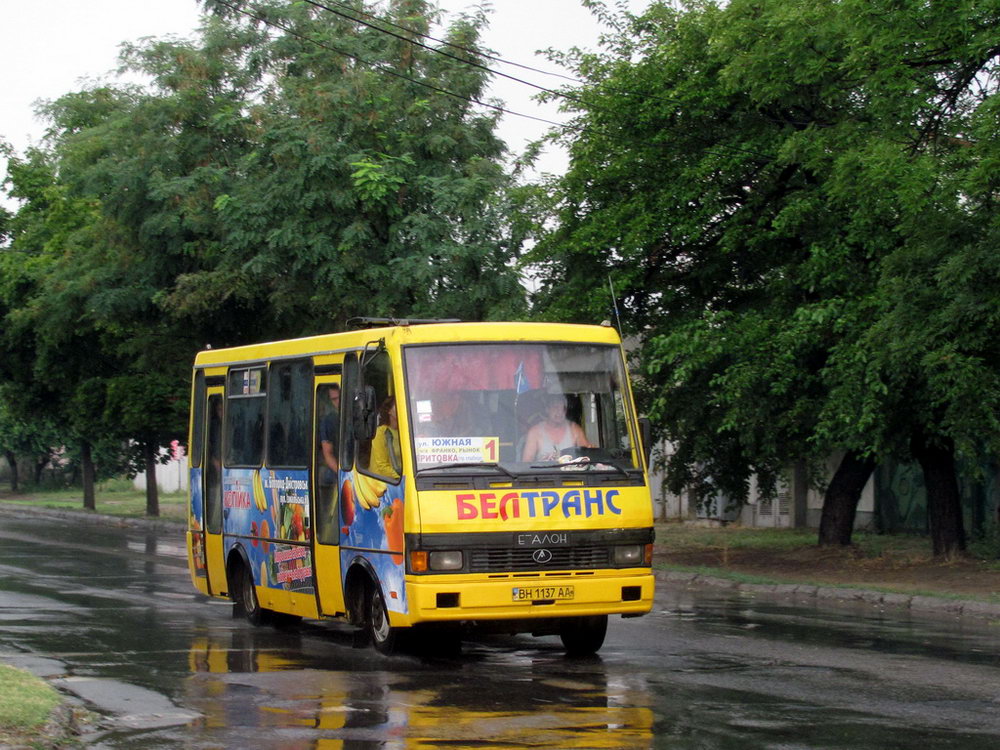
646	428
364	413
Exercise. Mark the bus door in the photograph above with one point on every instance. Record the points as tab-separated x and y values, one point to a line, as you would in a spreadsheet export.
326	510
196	478
212	492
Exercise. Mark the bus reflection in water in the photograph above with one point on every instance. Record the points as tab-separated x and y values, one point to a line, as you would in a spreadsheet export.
351	708
490	474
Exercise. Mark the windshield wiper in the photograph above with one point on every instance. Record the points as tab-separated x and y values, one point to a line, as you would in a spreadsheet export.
614	464
587	465
468	465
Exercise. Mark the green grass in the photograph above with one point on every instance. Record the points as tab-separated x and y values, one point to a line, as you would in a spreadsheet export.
113	498
683	537
781	556
25	701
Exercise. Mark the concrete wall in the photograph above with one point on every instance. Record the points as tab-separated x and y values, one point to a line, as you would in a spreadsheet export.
171	476
666	505
798	505
795	505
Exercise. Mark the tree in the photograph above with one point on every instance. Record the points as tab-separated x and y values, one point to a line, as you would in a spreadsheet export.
148	409
34	438
376	185
69	344
49	348
290	169
782	192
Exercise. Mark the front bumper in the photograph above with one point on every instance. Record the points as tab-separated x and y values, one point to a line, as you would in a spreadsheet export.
479	597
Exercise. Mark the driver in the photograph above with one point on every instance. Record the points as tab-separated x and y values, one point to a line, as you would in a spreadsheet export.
554	434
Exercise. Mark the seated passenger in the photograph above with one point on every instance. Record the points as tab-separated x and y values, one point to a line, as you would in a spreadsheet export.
554	434
385	455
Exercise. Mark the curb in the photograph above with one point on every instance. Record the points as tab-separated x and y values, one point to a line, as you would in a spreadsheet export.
837	595
70	723
90	517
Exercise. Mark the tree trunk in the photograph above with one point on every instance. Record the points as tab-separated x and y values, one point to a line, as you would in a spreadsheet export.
40	463
840	503
12	462
944	505
87	465
152	490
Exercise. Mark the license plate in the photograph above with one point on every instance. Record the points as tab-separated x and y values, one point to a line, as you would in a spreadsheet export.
542	593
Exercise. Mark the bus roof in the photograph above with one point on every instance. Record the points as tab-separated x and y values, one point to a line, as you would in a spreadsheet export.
451	332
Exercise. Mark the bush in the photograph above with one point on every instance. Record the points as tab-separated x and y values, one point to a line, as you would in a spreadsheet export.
986	544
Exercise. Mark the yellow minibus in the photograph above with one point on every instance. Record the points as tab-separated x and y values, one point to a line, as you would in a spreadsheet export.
409	474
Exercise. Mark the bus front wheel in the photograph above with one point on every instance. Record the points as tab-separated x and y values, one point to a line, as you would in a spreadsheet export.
583	636
383	636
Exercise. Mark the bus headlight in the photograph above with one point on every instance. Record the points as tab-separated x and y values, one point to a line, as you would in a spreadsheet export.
629	555
447	560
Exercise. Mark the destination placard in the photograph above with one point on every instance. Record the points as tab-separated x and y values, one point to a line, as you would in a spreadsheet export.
455	450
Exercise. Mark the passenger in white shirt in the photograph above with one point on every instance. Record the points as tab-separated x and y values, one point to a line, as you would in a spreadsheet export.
554	434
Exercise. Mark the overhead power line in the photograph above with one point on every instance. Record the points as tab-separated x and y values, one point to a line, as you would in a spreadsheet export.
257	16
445	42
383	68
560	94
437	50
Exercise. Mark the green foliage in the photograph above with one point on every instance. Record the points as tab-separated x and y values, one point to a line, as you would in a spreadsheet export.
796	202
986	544
285	171
361	191
22	436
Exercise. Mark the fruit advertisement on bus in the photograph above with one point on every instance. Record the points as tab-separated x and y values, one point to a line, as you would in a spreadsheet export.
196	526
372	516
268	512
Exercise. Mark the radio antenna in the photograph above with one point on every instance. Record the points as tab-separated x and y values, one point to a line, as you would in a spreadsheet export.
614	301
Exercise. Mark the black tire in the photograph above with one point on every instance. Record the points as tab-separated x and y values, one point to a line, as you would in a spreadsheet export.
583	636
382	635
245	596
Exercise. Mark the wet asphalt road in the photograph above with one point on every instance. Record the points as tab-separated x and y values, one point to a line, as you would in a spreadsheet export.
109	614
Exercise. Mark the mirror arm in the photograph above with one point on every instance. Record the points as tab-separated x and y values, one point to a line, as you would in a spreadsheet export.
646	429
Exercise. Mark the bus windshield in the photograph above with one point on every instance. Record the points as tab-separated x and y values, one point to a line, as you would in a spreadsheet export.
518	407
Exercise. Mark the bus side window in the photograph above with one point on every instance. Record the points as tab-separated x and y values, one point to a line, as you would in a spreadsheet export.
213	466
348	388
246	392
289	406
197	420
379	453
327	432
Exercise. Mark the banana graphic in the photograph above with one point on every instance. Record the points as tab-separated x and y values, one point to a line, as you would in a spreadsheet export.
363	492
367	490
259	498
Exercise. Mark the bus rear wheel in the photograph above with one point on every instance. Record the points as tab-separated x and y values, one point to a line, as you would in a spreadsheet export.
583	636
383	636
245	596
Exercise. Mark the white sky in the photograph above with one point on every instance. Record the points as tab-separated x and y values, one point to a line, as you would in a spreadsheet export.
51	48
